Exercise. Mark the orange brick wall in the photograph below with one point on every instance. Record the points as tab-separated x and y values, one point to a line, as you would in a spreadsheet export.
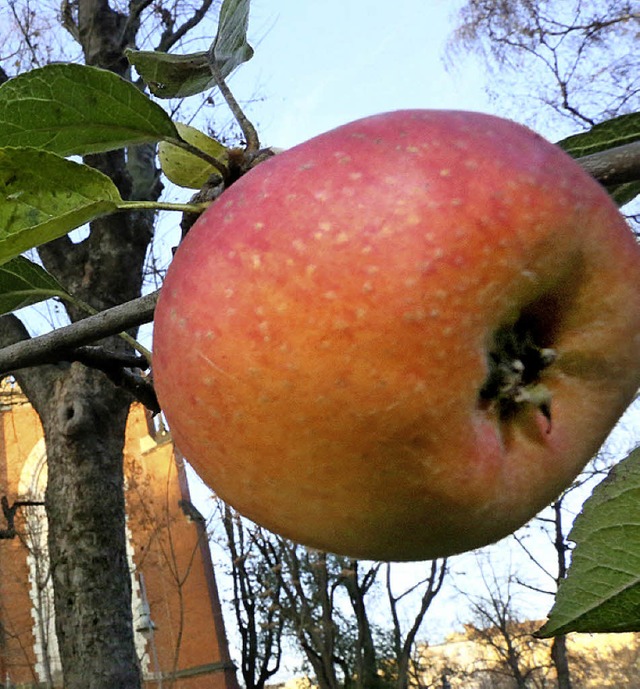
169	553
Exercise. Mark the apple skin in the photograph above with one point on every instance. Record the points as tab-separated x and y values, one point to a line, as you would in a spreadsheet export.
323	337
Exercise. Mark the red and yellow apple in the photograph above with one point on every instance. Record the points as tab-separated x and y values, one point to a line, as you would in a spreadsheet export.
402	338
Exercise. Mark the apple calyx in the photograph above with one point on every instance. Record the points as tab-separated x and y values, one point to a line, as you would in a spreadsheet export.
516	361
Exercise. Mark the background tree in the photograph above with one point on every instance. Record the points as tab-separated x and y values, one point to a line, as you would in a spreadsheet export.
256	601
511	650
330	605
404	641
576	59
82	411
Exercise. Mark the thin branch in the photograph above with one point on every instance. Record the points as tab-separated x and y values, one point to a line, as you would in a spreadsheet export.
123	370
9	512
249	132
58	344
170	38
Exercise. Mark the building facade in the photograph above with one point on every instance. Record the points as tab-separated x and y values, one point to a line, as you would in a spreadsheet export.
179	629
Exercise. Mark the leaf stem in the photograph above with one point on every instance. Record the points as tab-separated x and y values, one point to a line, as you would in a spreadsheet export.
248	130
162	206
194	150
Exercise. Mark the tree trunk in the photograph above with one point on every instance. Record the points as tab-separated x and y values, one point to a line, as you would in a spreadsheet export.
561	661
366	659
84	423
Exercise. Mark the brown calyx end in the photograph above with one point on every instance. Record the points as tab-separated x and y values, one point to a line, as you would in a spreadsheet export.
518	356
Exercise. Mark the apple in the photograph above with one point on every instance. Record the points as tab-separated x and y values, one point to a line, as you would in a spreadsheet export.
403	338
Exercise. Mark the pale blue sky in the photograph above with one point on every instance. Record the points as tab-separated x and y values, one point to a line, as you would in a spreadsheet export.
318	65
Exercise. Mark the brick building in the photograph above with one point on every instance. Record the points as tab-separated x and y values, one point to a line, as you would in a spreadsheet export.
180	636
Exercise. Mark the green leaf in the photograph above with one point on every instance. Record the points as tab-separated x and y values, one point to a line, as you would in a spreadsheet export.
179	76
624	193
186	169
173	76
75	109
23	283
44	196
621	130
602	590
230	48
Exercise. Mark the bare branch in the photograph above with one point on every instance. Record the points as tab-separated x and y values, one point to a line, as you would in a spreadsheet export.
170	37
9	512
58	345
615	166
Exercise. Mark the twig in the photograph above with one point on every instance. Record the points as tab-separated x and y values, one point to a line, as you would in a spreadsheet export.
9	512
53	346
122	369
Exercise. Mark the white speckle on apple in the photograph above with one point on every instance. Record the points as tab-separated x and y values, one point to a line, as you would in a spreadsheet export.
415	316
445	172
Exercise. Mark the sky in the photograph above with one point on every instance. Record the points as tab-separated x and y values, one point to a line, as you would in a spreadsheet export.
319	65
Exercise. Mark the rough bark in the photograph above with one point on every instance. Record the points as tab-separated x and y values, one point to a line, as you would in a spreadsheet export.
84	419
